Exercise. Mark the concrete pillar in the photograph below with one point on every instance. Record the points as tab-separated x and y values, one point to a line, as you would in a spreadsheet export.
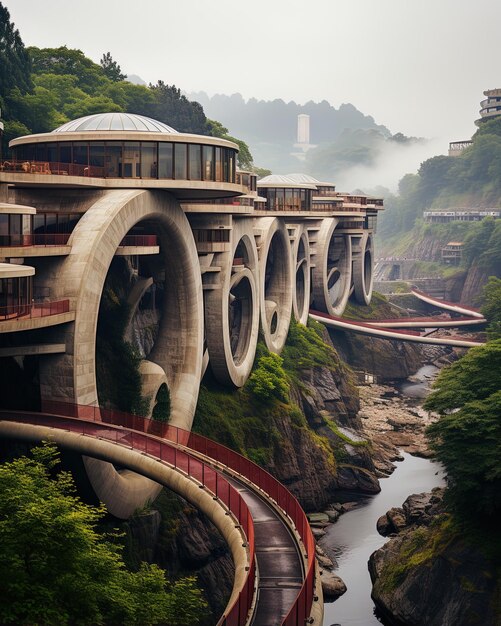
275	280
232	307
331	276
363	265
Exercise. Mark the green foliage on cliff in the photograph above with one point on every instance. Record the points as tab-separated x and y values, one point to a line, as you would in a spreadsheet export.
246	419
56	569
471	179
268	381
492	307
466	437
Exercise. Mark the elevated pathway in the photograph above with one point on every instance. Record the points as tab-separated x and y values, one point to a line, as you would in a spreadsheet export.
364	328
462	309
278	539
428	322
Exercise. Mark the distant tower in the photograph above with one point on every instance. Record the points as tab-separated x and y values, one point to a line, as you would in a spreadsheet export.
303	137
303	128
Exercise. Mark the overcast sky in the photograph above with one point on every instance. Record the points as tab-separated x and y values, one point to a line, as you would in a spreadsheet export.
417	66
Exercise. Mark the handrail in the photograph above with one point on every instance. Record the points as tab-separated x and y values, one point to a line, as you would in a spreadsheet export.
34	310
301	609
139	240
51	168
191	465
34	239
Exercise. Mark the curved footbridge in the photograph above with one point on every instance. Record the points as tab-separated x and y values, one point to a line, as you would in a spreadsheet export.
375	330
263	524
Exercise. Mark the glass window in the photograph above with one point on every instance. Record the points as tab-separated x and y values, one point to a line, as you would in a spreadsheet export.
4	224
226	165
149	165
208	162
289	199
96	159
165	160
39	223
195	152
180	161
50	223
52	156
131	160
81	153
113	159
280	199
65	153
219	164
41	152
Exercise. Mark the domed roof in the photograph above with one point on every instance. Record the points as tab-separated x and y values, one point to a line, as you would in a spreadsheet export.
303	178
115	121
279	180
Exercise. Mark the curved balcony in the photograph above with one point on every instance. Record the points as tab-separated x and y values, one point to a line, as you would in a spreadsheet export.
138	245
28	316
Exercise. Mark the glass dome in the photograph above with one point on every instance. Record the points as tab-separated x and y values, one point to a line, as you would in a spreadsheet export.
115	121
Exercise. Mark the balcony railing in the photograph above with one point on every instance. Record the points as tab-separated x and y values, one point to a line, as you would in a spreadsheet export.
34	239
183	460
139	240
34	310
301	608
54	168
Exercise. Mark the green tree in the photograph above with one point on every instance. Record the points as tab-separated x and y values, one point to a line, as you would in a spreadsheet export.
466	437
56	569
14	59
111	68
244	158
173	108
492	307
269	380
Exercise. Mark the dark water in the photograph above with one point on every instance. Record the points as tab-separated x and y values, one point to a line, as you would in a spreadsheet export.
354	537
419	387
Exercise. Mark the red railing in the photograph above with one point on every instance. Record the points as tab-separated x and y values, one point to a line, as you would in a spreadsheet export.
181	459
34	310
139	240
46	167
34	239
301	608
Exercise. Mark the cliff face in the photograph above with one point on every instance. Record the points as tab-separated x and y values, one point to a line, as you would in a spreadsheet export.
428	573
181	540
474	283
388	360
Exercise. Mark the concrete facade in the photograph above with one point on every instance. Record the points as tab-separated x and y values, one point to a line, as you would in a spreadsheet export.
229	262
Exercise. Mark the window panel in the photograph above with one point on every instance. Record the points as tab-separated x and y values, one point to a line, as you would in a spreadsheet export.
165	160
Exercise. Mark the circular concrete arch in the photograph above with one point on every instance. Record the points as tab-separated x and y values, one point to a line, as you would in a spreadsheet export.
363	265
275	281
232	312
331	276
71	377
302	282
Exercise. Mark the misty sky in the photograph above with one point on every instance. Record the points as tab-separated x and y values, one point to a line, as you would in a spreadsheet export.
417	66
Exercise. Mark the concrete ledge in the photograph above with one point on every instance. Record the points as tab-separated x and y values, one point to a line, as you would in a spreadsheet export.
18	252
11	326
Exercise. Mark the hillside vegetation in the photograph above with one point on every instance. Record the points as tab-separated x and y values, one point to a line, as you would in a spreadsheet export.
42	88
472	179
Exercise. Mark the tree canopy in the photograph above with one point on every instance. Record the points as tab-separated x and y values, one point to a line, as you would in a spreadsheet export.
56	569
42	88
466	438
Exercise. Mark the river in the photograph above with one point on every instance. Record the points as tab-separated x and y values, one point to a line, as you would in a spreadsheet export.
354	537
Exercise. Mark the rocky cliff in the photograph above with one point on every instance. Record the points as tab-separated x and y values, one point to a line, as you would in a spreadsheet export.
429	573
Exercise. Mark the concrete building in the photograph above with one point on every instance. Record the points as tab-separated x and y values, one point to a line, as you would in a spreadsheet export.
452	253
207	255
457	147
491	106
459	215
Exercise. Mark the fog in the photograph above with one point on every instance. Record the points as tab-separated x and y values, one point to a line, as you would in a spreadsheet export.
394	161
